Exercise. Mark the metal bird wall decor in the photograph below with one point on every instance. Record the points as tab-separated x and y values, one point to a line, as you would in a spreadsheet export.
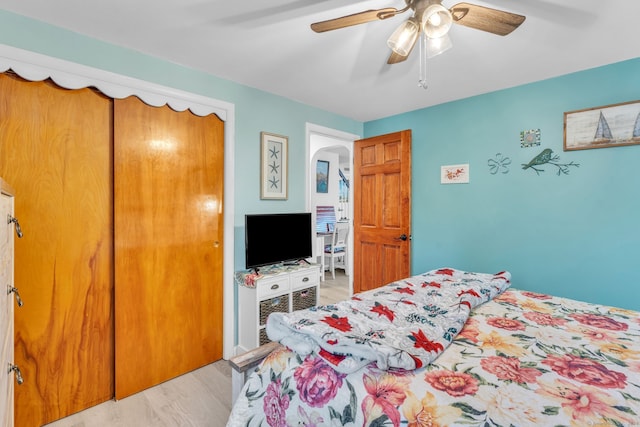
547	157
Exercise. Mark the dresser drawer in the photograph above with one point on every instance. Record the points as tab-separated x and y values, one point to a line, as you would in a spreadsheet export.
272	286
6	281
304	279
6	228
6	378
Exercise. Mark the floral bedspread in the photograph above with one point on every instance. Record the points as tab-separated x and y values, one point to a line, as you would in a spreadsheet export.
523	359
405	324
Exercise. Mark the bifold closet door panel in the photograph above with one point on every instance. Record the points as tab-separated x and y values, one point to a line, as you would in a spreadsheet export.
55	150
168	189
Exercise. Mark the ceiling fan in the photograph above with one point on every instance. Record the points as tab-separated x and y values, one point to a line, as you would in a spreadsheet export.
431	19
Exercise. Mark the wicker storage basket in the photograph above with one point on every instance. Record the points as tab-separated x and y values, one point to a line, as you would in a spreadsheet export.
263	336
273	305
304	298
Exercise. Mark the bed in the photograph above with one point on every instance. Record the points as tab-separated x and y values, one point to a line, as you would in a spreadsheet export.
517	359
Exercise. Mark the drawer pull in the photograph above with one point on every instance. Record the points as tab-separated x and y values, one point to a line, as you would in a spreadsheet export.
305	279
275	302
274	287
14	368
15	291
14	220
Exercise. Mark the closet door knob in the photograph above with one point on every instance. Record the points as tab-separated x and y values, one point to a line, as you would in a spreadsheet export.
11	219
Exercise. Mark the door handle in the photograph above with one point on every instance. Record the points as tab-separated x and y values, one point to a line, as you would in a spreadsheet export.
402	237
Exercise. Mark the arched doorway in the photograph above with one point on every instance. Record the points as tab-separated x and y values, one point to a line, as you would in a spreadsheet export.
334	149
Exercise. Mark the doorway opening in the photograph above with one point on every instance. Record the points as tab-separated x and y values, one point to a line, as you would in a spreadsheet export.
328	191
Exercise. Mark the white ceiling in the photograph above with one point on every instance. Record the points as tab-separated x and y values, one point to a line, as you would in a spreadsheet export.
268	45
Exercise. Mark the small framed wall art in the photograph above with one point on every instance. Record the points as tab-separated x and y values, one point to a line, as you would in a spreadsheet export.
454	174
530	138
273	166
601	127
322	176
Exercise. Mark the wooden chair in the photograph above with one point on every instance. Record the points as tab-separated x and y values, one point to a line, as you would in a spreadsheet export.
336	253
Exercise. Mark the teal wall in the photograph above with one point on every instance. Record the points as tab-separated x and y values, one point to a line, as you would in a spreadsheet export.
575	235
255	110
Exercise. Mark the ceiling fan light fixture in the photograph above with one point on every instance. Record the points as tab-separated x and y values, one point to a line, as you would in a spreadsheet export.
436	21
404	37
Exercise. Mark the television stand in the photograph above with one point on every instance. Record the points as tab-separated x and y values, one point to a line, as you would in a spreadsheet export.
283	288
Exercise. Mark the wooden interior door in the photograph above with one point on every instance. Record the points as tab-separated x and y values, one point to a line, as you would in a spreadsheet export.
55	150
381	210
168	189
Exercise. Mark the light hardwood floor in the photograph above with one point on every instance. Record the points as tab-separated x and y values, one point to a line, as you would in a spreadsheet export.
334	290
201	398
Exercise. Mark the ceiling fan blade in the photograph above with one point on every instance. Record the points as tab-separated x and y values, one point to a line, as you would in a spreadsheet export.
486	19
355	19
395	58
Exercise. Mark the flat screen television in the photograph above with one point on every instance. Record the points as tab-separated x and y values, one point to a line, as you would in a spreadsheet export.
276	238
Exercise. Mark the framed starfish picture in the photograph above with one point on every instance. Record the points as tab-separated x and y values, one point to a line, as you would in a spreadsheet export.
273	166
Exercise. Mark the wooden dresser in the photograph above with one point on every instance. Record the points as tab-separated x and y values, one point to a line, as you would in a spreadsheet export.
7	291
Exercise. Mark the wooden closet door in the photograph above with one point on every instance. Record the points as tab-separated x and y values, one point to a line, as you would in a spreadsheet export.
55	149
168	188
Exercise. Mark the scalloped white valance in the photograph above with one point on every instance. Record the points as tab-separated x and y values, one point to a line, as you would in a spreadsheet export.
36	67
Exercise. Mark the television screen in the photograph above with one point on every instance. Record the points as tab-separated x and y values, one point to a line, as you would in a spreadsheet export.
276	238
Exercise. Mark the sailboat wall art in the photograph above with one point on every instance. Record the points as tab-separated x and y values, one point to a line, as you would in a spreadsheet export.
601	127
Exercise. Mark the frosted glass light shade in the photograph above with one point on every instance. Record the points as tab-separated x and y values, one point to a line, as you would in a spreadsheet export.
436	21
437	46
404	37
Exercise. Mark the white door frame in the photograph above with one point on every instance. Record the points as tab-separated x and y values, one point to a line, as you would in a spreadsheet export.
334	138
